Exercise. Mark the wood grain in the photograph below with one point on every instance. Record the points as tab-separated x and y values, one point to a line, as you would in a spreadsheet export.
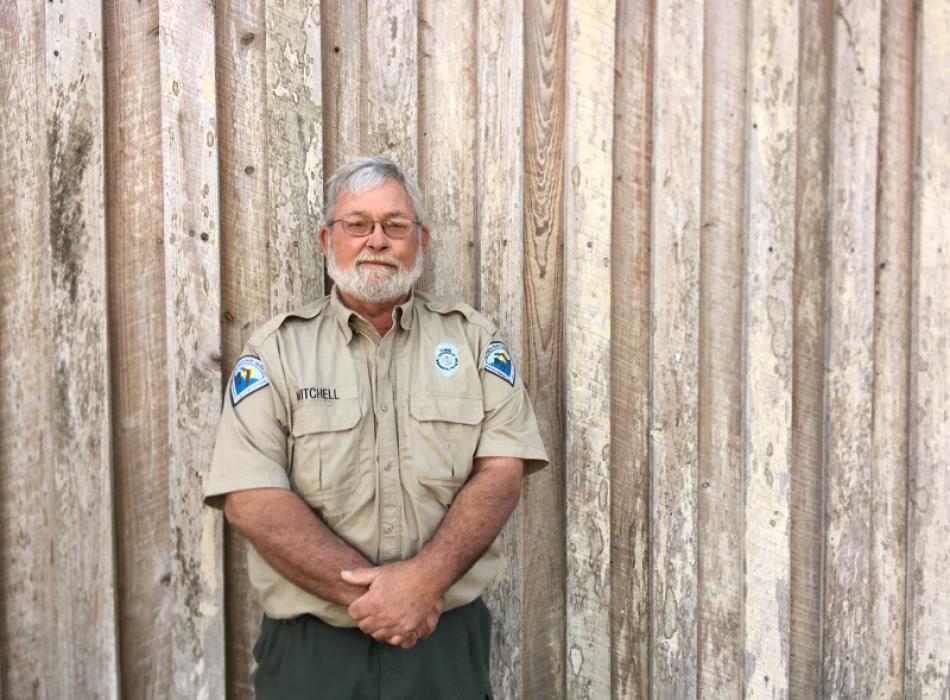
677	154
137	328
720	504
27	529
849	351
892	294
544	493
294	153
193	342
630	354
928	610
449	136
389	126
344	33
813	147
500	230
85	646
587	206
245	272
767	341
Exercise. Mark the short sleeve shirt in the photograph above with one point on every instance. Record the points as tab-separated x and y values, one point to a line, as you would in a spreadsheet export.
377	435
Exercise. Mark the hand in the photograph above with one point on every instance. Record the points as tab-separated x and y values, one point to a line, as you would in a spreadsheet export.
399	608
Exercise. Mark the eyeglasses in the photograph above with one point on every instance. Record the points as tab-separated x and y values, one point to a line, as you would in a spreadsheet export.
361	226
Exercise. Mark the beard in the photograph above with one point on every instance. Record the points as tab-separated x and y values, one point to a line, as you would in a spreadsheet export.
373	284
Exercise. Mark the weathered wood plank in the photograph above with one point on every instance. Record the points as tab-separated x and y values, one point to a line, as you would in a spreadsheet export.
767	344
27	529
344	31
812	144
888	555
294	152
390	103
137	328
245	271
85	645
587	206
720	554
193	342
677	151
500	181
849	355
448	133
928	609
630	354
544	530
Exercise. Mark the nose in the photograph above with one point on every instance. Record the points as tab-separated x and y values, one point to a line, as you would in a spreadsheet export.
377	238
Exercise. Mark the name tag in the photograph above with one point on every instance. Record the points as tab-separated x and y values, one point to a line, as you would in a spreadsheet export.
313	392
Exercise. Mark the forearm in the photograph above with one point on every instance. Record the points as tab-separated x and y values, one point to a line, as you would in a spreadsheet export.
295	542
473	521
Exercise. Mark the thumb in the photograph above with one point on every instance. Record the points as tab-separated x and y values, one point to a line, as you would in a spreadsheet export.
360	577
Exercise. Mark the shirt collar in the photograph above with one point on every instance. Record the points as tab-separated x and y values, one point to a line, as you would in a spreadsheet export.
403	313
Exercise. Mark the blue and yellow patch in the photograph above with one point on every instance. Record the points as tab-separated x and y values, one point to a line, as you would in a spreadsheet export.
248	377
498	362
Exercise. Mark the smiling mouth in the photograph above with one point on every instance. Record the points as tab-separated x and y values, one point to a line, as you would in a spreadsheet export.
377	263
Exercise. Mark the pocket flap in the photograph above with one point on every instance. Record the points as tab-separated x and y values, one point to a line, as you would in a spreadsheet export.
325	416
450	408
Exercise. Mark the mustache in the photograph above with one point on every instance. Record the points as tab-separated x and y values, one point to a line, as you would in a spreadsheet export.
368	257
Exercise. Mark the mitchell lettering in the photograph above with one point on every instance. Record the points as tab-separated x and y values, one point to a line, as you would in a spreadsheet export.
312	392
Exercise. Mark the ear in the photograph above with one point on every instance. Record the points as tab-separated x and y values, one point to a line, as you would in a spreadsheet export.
425	239
324	238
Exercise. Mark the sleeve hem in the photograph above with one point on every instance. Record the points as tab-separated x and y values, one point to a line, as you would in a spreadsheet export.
214	496
535	458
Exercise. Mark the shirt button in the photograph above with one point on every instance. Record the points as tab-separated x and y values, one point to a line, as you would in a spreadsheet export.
382	353
387	528
389	465
385	408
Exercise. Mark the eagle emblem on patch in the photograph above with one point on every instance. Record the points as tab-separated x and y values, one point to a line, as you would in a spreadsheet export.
498	362
447	358
248	377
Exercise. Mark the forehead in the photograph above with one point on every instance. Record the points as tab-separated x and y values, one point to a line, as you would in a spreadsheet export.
389	197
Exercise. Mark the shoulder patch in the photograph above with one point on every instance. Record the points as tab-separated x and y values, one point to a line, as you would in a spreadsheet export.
248	377
498	362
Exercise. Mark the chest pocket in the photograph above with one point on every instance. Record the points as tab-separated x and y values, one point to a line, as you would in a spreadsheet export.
445	431
328	451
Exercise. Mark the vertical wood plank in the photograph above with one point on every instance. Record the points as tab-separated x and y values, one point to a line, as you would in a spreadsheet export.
928	611
767	343
193	342
137	328
448	134
84	629
720	505
677	150
500	181
294	152
630	354
888	555
27	529
344	30
813	145
849	353
245	271
587	206
544	493
390	101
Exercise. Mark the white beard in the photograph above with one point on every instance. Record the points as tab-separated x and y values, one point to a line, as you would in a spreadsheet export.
372	284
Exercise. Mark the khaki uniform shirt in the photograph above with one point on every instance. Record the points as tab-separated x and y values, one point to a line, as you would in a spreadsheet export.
377	435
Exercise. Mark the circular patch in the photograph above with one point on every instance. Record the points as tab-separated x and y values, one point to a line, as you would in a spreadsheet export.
447	358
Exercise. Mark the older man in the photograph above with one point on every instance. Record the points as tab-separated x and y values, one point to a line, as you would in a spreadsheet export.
371	447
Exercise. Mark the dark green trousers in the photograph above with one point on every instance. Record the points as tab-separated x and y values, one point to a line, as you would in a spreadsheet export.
305	657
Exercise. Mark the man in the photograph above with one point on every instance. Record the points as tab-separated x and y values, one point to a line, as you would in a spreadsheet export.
371	447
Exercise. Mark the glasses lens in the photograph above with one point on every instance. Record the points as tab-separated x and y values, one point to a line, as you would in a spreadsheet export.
357	226
398	228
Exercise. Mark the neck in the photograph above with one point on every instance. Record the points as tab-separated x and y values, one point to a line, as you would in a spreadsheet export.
380	314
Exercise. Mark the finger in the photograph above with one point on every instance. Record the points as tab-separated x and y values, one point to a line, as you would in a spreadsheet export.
360	577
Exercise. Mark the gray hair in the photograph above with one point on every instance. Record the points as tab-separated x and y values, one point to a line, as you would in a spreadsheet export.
364	173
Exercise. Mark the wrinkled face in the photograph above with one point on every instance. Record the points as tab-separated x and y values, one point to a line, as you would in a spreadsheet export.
374	268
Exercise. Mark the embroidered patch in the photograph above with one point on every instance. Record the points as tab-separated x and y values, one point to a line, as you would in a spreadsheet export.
498	362
447	358
248	377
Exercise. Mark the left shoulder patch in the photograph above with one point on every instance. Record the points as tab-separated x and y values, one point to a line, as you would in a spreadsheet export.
248	377
498	362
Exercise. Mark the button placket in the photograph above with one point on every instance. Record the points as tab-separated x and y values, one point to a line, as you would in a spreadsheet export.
391	492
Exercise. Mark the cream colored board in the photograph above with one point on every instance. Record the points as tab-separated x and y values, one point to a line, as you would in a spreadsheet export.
767	345
344	29
448	133
928	606
849	352
677	151
193	342
588	162
84	620
294	152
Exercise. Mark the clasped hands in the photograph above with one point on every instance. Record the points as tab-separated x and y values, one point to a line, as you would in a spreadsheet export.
399	606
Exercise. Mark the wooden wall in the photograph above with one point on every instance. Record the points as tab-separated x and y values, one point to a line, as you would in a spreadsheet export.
716	236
